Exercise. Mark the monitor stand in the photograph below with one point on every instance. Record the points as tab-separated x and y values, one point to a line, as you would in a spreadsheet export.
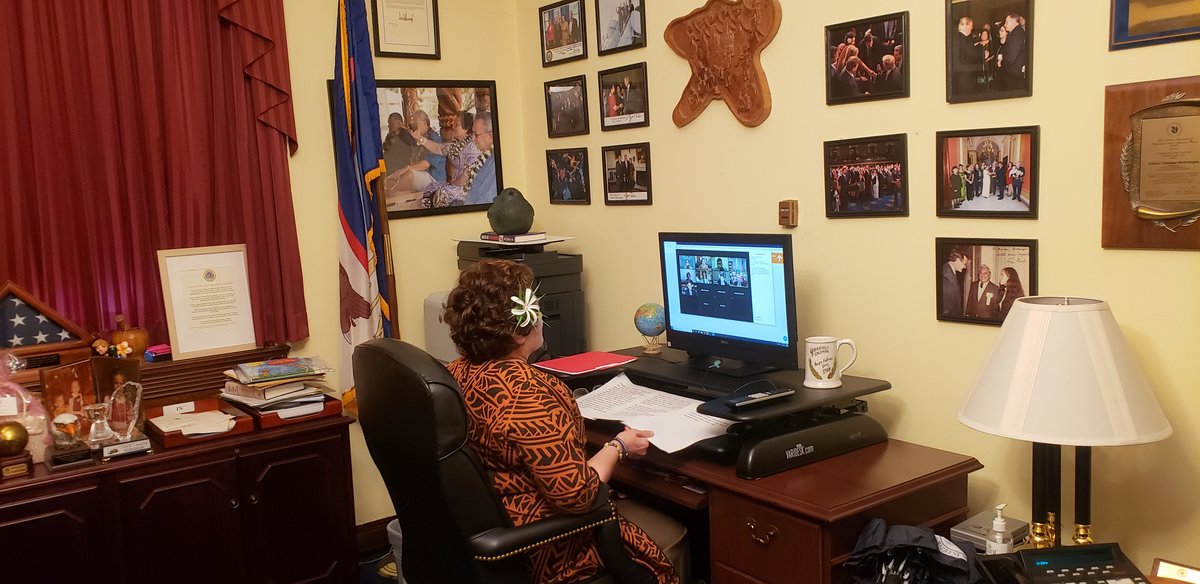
726	367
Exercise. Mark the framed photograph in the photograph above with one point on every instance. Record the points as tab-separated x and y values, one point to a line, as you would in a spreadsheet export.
111	373
867	177
406	28
67	388
623	98
988	173
620	25
1138	24
567	173
627	174
207	295
441	144
566	107
564	32
979	279
865	59
989	49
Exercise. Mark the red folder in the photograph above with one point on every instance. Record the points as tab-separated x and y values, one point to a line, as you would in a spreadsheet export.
585	362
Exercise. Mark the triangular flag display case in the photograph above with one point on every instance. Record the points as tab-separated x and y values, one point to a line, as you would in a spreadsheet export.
35	332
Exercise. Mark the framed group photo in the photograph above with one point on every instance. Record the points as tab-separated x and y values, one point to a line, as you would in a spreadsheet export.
441	144
988	173
867	177
979	279
566	107
567	175
66	389
620	25
864	59
406	28
1135	23
623	98
627	174
989	49
564	32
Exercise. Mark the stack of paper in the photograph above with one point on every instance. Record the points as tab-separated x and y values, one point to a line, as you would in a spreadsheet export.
191	424
674	419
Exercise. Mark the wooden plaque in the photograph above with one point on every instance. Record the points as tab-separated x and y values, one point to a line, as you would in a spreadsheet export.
1121	228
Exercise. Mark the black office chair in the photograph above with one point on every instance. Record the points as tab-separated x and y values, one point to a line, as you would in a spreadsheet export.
455	527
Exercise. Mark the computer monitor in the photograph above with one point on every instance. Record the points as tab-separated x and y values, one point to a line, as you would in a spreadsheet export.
730	300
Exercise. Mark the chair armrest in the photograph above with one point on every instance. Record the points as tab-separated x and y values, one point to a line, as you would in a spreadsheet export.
503	542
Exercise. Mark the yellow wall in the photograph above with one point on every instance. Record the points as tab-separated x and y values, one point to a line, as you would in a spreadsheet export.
870	279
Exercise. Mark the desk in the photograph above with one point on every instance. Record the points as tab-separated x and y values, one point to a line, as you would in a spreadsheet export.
814	512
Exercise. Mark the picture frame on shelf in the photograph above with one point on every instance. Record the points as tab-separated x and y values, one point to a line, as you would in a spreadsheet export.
110	373
627	174
563	27
67	388
1139	24
568	176
206	293
979	279
865	59
447	157
624	97
620	25
989	50
991	172
867	177
406	29
566	107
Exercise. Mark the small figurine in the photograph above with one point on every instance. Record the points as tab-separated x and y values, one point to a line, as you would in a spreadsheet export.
101	347
65	428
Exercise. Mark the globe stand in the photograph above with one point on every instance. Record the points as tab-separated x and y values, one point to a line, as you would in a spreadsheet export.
653	346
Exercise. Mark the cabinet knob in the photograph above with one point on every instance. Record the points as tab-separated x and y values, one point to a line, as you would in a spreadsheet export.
234	503
254	499
764	539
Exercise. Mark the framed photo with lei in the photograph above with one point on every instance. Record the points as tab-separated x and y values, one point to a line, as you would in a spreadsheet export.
441	145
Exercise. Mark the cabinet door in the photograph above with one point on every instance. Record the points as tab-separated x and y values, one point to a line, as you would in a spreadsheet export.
42	532
182	524
299	515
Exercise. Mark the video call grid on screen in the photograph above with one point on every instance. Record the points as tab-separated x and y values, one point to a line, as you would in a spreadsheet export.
732	291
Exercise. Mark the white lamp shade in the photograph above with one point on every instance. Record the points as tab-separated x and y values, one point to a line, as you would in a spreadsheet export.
1061	373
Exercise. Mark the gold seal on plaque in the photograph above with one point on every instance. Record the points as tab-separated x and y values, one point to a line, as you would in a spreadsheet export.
1160	163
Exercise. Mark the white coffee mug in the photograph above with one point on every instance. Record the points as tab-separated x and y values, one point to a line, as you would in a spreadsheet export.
821	369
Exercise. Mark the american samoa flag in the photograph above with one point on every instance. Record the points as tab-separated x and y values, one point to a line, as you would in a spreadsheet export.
21	325
365	308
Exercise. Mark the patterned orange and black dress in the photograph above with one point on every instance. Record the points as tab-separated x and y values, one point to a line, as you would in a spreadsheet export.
526	427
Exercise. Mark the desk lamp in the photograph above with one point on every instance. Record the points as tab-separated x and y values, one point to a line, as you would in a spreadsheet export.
1061	374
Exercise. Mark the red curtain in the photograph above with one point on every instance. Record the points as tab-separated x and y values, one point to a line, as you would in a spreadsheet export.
129	126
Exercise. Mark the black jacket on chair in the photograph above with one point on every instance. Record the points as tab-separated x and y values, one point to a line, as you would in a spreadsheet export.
455	527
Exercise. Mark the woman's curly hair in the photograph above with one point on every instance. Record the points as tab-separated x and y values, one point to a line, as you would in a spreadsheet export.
479	309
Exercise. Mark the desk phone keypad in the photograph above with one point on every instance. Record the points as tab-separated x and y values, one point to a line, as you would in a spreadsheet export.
1105	574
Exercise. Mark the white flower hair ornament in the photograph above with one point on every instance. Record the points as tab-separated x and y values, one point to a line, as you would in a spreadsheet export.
527	312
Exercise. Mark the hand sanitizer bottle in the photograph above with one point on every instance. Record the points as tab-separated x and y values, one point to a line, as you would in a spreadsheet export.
999	542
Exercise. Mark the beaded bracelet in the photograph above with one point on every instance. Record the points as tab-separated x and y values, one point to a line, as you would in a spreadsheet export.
622	449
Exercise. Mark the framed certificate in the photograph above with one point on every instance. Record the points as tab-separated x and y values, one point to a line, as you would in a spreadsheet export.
207	295
407	28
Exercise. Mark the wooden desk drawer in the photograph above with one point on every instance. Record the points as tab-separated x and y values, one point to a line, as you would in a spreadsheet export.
762	542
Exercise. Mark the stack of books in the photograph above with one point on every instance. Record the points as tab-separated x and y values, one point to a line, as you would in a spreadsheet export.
288	388
532	236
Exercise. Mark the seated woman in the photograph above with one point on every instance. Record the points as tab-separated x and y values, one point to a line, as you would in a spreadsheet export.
526	426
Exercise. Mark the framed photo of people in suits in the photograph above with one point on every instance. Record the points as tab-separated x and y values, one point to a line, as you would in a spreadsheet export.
620	25
624	98
627	174
979	279
567	175
865	59
566	107
989	172
989	49
867	177
564	32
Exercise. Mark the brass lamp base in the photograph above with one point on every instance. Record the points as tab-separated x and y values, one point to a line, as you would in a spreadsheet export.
1083	534
1039	534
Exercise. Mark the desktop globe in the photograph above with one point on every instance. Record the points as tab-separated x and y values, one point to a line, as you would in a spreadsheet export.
650	320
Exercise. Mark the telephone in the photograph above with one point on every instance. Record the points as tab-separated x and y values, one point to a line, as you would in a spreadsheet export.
1101	563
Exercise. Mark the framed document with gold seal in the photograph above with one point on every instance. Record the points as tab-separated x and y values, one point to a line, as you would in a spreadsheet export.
207	295
1152	165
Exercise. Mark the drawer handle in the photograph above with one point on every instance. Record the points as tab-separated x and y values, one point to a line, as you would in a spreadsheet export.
772	532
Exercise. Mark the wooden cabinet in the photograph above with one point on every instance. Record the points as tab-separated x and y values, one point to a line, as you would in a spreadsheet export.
752	539
269	506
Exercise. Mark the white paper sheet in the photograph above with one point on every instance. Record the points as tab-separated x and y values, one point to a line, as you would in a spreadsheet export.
674	419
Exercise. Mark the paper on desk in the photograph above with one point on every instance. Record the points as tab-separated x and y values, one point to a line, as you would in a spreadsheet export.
674	419
190	424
